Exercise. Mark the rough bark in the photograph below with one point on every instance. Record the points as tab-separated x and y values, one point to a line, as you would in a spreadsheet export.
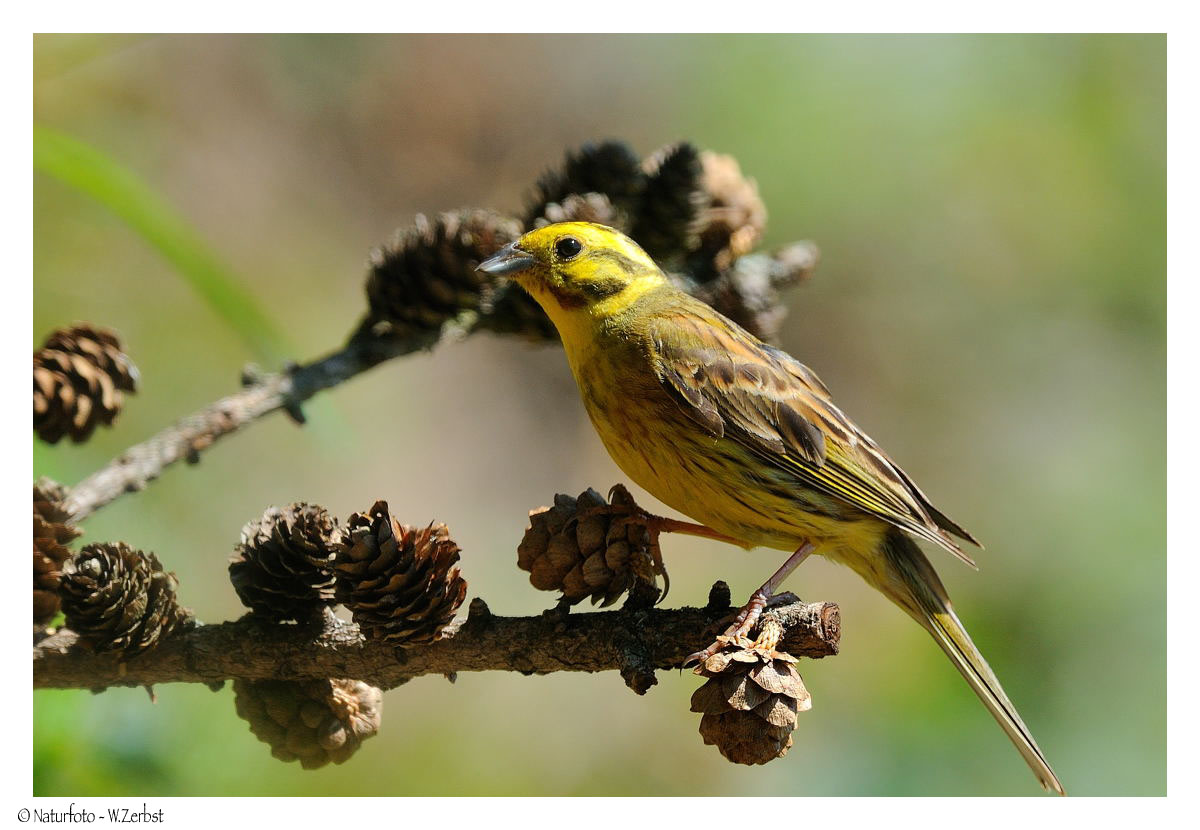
635	642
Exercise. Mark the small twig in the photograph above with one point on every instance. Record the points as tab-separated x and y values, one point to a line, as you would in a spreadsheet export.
634	642
264	393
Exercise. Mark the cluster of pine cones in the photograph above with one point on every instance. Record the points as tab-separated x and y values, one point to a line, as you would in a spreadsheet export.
694	213
117	599
401	583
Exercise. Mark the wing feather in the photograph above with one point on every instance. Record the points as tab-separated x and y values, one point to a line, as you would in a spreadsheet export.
735	386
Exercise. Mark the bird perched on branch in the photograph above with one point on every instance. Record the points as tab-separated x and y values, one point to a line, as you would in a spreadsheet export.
743	438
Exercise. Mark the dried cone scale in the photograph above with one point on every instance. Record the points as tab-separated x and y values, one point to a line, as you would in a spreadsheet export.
733	217
589	547
315	722
80	376
581	207
749	703
52	532
399	582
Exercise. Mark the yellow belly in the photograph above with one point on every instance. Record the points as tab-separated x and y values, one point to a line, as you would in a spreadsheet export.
714	481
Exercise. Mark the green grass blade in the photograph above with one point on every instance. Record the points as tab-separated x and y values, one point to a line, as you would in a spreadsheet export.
120	190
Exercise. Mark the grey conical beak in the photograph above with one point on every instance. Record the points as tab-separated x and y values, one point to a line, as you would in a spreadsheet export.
508	260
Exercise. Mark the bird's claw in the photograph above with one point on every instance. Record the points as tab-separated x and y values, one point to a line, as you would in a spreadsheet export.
698	659
738	633
659	567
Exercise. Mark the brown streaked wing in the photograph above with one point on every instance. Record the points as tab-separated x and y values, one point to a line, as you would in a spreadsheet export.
735	386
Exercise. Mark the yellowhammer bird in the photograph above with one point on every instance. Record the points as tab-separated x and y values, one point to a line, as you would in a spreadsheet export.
742	437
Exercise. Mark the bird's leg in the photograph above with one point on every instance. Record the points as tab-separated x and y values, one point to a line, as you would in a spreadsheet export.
752	610
657	525
661	524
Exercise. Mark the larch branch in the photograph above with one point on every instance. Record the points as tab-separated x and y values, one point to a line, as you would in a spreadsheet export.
263	394
633	641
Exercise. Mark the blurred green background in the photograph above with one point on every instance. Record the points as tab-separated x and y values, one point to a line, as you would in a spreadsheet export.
990	306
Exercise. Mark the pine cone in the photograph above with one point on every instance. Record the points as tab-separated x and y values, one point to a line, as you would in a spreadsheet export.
314	721
79	376
398	581
732	219
587	547
52	532
666	225
749	703
610	168
119	599
428	276
283	568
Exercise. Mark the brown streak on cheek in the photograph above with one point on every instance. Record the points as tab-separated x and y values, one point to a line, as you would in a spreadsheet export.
566	299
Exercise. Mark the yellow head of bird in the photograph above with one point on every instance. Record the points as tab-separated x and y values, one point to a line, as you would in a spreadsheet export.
577	267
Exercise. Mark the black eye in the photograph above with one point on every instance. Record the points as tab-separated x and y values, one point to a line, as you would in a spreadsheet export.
568	247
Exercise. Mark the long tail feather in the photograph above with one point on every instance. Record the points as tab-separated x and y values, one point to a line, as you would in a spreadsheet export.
908	579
